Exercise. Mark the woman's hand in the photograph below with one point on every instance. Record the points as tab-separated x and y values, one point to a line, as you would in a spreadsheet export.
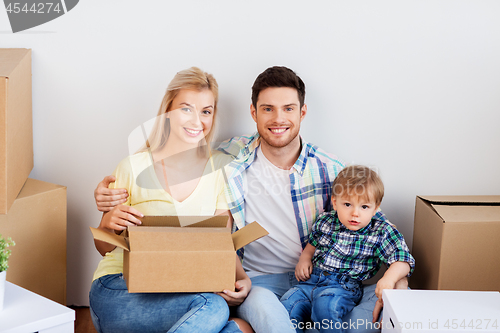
119	218
115	221
235	298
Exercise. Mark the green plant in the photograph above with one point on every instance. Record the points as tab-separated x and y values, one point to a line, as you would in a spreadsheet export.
5	252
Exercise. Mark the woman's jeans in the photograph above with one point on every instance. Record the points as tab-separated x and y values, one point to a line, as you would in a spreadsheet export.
114	309
324	299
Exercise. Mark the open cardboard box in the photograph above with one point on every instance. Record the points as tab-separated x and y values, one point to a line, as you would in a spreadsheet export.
162	256
455	243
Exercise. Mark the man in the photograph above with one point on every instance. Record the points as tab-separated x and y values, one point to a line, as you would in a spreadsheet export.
284	183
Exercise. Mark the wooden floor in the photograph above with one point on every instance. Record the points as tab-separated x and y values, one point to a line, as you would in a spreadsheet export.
83	322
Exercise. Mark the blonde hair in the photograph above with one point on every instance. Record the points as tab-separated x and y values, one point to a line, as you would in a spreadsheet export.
359	181
191	79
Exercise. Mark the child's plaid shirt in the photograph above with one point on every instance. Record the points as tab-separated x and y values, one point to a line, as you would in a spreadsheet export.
357	253
311	181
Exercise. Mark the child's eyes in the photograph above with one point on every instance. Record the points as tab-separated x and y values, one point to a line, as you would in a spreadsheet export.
347	204
365	207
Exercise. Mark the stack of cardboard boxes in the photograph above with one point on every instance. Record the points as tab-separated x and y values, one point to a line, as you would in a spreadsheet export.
32	212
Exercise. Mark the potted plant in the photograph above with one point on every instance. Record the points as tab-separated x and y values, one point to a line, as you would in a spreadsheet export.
4	258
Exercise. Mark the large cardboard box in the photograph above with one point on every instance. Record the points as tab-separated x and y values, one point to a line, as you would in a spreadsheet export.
456	243
162	256
37	223
443	311
16	125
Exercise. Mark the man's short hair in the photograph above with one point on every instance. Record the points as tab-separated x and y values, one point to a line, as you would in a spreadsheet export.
360	181
277	77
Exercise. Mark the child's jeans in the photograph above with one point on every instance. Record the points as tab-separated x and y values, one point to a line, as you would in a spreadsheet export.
323	299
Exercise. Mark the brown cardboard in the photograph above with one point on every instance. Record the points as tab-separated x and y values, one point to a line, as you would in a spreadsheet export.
162	256
37	223
16	125
456	243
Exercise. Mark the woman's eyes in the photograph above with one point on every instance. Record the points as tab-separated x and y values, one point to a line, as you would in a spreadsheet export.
204	112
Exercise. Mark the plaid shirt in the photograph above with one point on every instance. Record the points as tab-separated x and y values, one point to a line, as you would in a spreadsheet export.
357	253
311	181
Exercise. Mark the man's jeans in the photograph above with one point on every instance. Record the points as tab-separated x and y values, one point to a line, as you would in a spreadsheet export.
114	309
324	299
264	311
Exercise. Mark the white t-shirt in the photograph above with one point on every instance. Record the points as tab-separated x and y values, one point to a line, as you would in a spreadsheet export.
268	201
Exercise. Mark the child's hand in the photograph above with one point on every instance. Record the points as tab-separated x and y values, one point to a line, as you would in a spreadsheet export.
303	269
384	283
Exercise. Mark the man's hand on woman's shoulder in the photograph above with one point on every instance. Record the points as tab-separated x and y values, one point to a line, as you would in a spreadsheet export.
107	198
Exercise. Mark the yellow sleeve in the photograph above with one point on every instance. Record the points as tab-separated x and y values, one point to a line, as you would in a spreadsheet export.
221	196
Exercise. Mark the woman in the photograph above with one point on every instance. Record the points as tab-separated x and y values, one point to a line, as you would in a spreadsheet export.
174	174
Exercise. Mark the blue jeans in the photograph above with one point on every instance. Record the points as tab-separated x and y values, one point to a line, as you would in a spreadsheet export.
114	309
263	310
324	299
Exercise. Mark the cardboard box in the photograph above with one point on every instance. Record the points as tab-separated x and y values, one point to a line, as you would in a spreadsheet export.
456	243
408	311
162	256
37	223
16	125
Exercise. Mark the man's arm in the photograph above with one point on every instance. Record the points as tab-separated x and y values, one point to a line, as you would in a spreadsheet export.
105	198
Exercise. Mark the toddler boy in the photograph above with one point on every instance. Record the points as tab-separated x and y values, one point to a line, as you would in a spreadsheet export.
346	246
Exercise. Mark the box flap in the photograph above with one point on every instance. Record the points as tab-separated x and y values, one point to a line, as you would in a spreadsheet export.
110	238
248	234
144	238
185	221
462	199
468	213
10	60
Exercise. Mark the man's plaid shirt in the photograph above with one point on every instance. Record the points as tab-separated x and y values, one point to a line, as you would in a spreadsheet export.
311	181
357	253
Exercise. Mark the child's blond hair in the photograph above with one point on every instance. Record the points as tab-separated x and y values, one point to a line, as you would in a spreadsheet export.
359	181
